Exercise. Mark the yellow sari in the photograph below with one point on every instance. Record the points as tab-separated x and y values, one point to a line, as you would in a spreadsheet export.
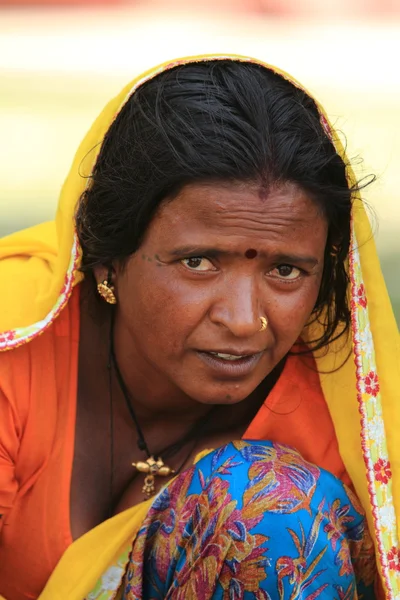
362	397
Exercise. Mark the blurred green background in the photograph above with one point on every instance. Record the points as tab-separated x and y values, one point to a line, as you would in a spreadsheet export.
60	65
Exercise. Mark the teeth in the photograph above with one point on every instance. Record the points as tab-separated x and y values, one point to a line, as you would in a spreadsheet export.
227	356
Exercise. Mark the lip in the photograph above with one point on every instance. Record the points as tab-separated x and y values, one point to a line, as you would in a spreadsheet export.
238	368
235	351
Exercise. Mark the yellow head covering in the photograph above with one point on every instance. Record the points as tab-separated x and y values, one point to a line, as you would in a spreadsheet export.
38	269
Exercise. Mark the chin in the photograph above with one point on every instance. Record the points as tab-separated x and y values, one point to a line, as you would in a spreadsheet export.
225	395
220	401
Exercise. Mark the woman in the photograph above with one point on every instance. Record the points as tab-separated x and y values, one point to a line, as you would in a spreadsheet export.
195	291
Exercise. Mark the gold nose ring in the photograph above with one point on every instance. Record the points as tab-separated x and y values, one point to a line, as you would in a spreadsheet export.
264	324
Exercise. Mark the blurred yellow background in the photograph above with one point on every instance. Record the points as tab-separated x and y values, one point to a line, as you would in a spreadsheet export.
60	64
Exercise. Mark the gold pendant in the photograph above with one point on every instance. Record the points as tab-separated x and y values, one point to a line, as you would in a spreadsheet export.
149	488
152	468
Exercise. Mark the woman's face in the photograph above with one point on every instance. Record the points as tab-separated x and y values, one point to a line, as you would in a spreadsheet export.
214	260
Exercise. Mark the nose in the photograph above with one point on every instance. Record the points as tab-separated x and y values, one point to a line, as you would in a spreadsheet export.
238	308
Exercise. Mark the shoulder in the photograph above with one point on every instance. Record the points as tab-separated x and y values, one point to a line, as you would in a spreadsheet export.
28	372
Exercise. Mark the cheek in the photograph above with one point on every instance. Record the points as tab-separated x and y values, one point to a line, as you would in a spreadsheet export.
289	312
155	304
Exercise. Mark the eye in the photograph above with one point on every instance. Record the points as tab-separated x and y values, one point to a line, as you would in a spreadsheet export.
198	263
287	272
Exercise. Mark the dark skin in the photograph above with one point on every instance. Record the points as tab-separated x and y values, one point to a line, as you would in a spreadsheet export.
188	290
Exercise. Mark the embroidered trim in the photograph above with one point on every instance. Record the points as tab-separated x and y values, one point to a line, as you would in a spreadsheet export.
22	335
373	439
108	585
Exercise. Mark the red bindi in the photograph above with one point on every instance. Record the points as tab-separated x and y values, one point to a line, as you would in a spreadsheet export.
250	253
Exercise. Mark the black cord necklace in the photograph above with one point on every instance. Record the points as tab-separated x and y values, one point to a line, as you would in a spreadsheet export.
151	467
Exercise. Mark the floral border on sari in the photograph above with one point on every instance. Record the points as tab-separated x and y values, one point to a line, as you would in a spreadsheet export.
373	438
17	337
109	584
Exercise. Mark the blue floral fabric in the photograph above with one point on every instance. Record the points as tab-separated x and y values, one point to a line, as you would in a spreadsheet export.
252	521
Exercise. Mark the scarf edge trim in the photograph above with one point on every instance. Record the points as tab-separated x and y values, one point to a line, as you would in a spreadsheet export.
372	433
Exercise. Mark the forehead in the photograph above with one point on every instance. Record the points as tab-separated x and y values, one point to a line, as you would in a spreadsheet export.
241	210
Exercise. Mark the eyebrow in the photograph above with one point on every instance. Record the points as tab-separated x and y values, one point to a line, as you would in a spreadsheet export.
279	257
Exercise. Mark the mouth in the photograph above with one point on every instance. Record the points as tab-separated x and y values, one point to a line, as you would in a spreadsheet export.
231	364
231	357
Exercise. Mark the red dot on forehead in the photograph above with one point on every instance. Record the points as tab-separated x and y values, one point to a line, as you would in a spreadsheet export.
250	253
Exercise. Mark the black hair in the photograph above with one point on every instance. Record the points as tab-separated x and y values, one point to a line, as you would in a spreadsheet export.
216	121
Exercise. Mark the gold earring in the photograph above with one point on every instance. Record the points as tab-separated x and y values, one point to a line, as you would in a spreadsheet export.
264	324
106	291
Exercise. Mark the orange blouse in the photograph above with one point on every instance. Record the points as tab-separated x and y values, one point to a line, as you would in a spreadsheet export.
38	390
